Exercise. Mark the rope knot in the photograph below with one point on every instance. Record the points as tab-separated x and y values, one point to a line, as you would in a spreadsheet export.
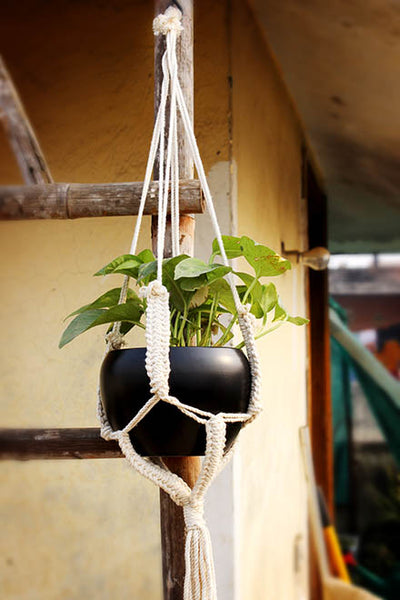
160	389
194	516
244	310
169	21
246	316
115	340
155	289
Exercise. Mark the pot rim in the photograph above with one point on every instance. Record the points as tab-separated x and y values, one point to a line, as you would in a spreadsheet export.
190	348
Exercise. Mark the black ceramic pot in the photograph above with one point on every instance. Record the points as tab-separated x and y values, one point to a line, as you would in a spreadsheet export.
212	379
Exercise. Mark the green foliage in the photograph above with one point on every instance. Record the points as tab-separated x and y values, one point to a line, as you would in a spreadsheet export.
265	262
130	312
199	294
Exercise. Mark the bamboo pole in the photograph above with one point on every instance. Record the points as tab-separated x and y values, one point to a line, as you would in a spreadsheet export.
66	443
20	133
172	522
77	200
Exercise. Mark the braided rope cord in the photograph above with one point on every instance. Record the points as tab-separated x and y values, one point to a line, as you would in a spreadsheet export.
199	576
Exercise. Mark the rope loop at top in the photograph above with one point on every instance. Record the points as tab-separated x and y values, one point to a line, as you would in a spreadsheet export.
169	21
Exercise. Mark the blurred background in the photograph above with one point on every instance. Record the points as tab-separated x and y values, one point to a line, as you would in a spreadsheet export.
341	63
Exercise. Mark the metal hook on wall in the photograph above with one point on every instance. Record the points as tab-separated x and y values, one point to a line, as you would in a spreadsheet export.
315	258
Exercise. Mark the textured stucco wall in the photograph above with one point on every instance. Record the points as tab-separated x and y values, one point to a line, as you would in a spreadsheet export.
90	528
270	490
73	530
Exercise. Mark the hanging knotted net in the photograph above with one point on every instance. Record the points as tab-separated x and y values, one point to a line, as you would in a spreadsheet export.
199	576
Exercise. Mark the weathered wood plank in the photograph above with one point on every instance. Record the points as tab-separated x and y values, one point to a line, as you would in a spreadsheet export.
77	200
172	522
20	133
66	443
173	528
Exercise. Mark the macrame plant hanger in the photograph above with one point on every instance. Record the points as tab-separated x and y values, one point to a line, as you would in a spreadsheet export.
199	569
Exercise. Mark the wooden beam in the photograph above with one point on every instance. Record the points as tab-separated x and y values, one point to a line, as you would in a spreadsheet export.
77	200
20	133
320	408
172	522
34	444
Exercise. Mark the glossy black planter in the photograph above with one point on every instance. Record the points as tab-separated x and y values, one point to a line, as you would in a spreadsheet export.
212	379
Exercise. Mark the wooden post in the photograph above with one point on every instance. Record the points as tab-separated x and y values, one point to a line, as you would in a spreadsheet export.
172	523
319	411
20	133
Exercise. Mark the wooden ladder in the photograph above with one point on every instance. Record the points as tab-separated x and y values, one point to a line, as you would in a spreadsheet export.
41	198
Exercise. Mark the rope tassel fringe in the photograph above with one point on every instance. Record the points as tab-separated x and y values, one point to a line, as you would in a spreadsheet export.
200	581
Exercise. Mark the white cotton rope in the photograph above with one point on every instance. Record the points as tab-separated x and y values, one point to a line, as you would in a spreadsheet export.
200	581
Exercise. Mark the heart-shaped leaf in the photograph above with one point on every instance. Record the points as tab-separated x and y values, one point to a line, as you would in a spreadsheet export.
194	267
130	312
110	298
265	262
81	323
231	246
127	264
178	298
146	256
191	267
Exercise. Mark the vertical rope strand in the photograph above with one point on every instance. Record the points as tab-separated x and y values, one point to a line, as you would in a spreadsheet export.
155	141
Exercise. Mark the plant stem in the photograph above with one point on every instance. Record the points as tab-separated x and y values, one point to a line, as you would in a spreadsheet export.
173	311
198	332
181	337
176	325
249	289
207	336
223	338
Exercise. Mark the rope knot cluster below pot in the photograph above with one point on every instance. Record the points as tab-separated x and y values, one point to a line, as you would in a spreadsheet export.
194	515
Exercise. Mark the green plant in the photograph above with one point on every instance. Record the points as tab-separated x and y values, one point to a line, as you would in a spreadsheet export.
199	295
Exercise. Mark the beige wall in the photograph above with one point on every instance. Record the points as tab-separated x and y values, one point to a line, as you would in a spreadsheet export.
85	74
267	151
84	70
